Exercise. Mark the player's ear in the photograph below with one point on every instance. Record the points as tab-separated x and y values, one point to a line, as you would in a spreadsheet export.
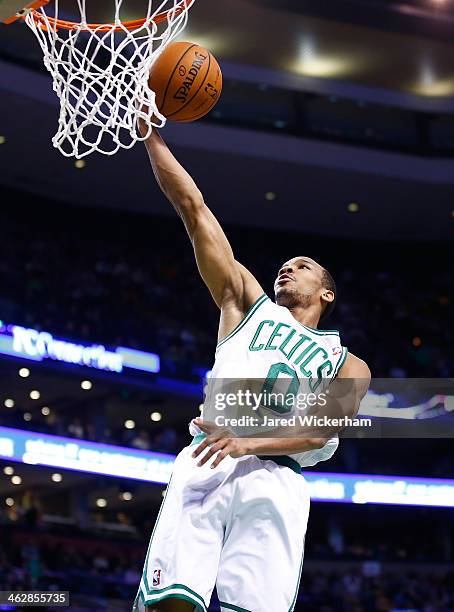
327	296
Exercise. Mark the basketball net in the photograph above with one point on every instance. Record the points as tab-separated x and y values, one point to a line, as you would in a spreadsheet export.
100	74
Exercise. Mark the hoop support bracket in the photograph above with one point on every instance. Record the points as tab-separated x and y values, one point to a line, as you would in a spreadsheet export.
31	6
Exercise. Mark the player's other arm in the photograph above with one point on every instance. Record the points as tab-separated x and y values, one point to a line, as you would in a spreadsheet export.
346	393
233	287
358	373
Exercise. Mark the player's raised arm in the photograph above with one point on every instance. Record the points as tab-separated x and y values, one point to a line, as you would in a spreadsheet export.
233	287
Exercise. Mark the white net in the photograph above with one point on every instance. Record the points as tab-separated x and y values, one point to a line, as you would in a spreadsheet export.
100	74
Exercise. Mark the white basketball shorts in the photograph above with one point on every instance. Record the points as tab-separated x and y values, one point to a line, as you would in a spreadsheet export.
240	526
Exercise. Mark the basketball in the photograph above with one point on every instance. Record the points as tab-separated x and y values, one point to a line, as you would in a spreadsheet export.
187	81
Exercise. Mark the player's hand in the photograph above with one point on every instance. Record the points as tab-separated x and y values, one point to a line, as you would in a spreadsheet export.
144	125
220	440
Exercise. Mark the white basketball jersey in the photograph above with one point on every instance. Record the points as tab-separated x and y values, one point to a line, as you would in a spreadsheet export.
270	342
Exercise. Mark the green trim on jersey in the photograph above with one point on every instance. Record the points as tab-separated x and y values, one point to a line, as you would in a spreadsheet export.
341	362
320	332
254	308
284	460
247	316
198	439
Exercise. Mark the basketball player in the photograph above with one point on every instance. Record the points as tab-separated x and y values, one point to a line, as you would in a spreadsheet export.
236	508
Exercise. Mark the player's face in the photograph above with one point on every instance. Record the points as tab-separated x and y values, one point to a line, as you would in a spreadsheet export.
299	282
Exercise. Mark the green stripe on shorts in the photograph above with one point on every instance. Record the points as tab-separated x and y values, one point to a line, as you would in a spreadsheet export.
232	607
173	592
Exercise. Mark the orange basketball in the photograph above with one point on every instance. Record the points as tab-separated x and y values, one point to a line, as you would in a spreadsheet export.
187	81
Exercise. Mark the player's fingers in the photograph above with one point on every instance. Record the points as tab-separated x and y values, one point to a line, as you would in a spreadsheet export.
213	450
201	447
221	456
209	440
207	456
205	426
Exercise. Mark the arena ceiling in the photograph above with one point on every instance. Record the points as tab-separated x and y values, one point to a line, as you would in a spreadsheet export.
302	45
404	46
248	177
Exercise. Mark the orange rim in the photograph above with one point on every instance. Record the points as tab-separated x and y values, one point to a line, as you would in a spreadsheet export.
42	21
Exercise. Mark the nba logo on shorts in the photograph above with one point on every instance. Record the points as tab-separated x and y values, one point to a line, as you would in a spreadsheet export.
156	577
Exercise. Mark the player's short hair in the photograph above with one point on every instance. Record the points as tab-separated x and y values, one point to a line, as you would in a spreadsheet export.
328	283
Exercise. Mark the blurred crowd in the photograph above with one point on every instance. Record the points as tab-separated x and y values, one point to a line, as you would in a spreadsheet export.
110	569
124	279
164	439
83	565
359	592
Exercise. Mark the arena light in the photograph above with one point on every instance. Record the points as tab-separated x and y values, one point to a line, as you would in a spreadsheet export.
101	502
217	44
16	480
35	345
35	394
129	424
156	416
9	403
126	496
312	62
8	470
56	477
323	67
9	501
2	140
82	456
86	385
139	360
108	460
438	89
430	83
45	411
27	416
